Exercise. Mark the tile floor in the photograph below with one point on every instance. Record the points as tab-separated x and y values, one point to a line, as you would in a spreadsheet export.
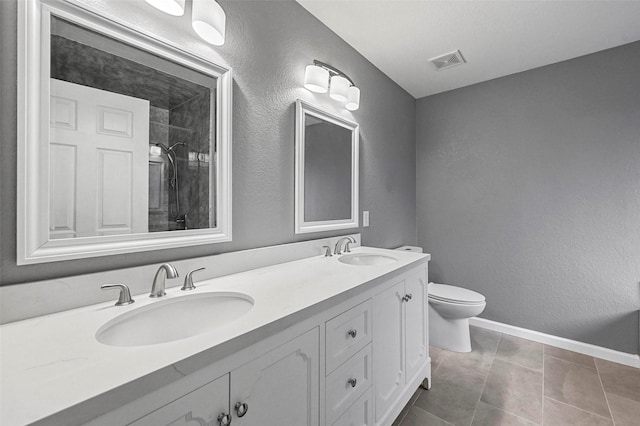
506	380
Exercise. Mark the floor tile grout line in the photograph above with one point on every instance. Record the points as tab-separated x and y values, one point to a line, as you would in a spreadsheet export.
581	409
512	414
535	370
444	355
475	410
623	397
571	362
606	398
518	364
431	414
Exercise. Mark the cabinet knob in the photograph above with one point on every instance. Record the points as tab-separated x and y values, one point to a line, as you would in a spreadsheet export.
353	333
224	419
352	382
409	296
241	408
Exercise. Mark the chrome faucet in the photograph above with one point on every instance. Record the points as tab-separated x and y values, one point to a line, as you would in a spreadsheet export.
338	249
166	270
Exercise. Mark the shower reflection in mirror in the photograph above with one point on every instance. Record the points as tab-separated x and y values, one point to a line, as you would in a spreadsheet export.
132	129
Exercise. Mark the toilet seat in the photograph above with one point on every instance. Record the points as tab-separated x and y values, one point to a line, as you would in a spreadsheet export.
453	294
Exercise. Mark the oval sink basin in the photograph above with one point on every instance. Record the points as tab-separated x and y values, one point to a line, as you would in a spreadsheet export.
366	259
174	319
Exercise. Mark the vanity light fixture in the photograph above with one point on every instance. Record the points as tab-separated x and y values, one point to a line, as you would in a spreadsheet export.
208	21
316	79
172	7
321	77
207	17
339	87
353	98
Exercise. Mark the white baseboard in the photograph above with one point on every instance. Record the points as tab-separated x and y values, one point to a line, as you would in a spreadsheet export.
559	342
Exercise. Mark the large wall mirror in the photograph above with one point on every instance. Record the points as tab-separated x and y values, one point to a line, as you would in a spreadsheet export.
124	142
326	184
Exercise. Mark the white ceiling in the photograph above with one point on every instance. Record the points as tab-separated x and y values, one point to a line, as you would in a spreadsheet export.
496	38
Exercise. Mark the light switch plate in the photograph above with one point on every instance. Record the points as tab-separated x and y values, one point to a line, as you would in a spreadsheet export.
365	218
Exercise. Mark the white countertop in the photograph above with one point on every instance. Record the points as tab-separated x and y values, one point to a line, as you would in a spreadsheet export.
54	362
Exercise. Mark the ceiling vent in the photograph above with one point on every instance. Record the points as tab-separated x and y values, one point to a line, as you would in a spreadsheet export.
448	60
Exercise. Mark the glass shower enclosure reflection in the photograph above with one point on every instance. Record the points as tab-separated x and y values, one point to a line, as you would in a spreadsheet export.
166	142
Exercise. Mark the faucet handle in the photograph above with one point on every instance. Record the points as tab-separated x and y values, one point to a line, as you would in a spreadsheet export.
125	294
327	251
188	281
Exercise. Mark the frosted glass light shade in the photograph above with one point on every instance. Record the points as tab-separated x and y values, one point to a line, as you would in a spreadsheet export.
172	7
209	21
353	98
316	79
339	88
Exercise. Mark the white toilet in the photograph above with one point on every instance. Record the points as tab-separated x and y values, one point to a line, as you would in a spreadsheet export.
450	308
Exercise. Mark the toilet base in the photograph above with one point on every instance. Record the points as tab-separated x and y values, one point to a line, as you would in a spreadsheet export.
450	334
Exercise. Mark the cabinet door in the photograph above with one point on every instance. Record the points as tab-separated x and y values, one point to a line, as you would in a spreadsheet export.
197	408
416	342
281	387
388	347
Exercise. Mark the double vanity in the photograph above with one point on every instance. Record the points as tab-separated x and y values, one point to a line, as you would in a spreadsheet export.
325	340
290	335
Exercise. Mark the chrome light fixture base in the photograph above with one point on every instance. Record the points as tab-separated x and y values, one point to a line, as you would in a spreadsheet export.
321	77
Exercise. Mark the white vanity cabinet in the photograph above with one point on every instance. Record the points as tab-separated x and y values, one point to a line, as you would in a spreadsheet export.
356	362
281	387
400	345
207	405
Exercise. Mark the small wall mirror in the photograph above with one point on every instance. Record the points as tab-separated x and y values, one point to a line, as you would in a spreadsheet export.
124	141
326	184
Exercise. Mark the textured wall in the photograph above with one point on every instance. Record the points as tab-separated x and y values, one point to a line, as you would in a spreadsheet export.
268	45
529	192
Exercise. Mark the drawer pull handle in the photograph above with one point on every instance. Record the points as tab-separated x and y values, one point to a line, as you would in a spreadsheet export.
224	419
353	333
407	297
352	382
241	408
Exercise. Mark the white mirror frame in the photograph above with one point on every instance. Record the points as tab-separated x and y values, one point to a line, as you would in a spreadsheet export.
301	226
33	243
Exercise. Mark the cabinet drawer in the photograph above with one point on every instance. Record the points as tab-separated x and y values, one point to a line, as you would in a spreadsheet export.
360	413
345	385
346	334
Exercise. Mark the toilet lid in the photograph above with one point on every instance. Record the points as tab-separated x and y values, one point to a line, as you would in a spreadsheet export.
450	293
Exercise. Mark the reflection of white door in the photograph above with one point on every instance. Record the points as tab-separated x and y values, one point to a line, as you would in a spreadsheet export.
99	162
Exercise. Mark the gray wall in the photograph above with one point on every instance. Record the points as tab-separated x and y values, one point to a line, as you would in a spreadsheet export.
528	191
268	45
